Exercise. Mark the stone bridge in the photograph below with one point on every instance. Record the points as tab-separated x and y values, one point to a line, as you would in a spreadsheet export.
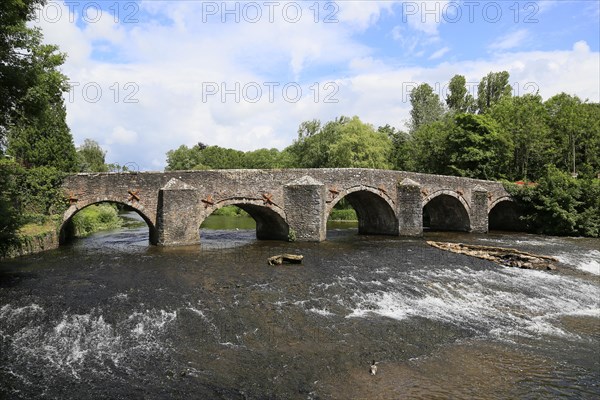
297	202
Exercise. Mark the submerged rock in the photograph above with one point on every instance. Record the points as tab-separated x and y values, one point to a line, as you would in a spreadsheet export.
500	255
285	258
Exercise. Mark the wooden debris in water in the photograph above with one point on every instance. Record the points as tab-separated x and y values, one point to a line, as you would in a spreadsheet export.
500	255
285	258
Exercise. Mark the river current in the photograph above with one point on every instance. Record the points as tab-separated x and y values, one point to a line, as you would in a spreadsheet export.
110	317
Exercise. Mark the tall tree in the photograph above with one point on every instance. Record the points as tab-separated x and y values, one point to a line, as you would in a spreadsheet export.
90	157
478	148
493	87
359	145
33	114
459	99
15	40
574	131
426	107
400	152
525	121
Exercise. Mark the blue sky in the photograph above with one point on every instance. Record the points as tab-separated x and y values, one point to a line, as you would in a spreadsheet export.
149	76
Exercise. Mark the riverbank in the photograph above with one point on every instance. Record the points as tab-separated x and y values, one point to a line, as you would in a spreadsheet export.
35	238
43	234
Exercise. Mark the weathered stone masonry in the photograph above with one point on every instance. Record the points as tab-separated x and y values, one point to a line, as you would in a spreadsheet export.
292	201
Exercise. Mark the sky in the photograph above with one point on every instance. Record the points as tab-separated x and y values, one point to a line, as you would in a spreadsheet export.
149	76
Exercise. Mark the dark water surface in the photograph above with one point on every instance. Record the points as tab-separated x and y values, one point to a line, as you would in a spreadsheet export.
111	317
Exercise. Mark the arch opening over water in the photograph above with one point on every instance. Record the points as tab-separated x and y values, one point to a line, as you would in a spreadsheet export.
67	230
505	215
445	212
270	220
375	213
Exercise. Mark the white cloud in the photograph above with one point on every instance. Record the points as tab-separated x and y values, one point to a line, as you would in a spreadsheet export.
510	40
440	53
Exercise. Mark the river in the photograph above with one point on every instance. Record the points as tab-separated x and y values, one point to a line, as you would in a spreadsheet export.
110	317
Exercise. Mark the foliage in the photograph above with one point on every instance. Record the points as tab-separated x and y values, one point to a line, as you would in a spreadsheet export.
40	191
37	131
477	148
492	88
428	147
426	107
343	215
15	68
9	212
560	204
459	99
96	218
90	157
230	211
342	143
526	123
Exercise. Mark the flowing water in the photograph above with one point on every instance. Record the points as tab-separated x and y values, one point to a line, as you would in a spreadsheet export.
111	317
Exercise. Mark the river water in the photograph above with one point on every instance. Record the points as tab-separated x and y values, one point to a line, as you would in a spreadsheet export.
110	317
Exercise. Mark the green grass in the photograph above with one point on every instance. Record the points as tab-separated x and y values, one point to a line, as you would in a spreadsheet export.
343	215
96	218
33	229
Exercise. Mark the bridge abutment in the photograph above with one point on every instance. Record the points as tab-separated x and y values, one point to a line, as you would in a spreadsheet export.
410	209
304	201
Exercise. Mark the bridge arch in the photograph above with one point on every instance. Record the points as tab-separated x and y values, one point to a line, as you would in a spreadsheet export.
66	226
271	222
446	210
504	215
374	209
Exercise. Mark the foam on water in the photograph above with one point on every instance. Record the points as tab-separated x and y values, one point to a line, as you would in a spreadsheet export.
588	262
77	339
500	302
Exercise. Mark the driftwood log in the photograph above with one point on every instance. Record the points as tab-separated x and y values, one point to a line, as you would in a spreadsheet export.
500	255
285	258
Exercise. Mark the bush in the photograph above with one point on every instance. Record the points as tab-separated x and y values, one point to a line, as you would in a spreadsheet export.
560	204
343	215
96	218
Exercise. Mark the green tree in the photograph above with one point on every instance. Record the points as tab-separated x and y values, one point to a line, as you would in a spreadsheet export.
478	148
560	204
492	88
262	159
183	158
15	66
9	211
526	123
574	132
90	157
359	145
428	147
400	153
426	107
459	100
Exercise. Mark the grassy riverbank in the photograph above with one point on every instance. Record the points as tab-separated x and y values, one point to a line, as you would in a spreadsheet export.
96	218
343	215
